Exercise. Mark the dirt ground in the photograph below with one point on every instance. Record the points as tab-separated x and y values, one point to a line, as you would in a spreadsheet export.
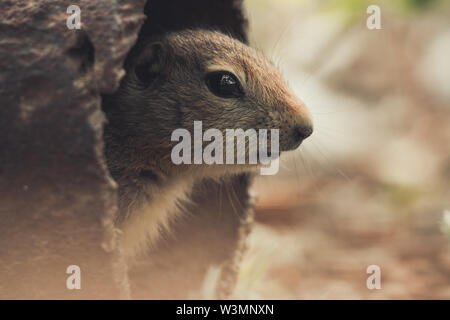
372	186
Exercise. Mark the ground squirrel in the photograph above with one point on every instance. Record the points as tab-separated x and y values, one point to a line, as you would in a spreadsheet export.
174	80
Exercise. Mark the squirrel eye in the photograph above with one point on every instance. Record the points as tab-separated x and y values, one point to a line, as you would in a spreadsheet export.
224	84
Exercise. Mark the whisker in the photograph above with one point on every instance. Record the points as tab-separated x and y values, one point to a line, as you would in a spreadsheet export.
341	172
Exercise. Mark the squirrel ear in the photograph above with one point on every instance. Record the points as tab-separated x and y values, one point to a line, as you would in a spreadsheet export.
150	63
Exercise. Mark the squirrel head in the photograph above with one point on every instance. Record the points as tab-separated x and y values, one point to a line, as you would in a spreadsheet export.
199	75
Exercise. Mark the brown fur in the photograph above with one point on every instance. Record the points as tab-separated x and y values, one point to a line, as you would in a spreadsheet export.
142	118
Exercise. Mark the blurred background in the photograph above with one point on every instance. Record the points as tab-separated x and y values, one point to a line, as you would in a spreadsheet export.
372	186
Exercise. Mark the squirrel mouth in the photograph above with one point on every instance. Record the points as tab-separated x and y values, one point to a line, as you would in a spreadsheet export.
297	137
292	146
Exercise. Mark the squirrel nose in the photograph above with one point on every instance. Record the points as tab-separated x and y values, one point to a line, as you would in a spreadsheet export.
303	131
299	133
